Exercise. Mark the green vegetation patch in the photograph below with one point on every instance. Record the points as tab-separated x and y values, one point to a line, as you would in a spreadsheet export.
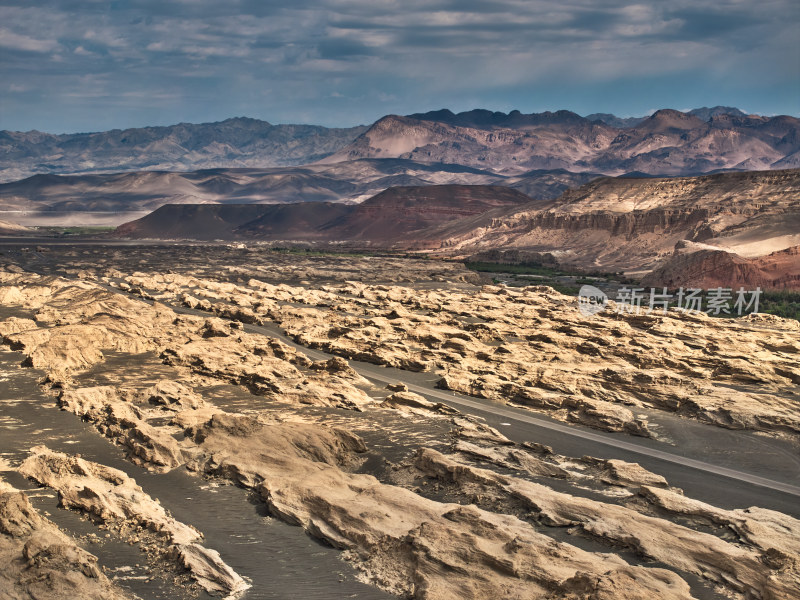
523	268
783	303
83	231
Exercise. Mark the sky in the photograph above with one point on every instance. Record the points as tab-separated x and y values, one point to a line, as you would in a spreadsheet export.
69	66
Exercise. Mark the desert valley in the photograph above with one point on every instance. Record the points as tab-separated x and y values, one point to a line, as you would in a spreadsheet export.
246	360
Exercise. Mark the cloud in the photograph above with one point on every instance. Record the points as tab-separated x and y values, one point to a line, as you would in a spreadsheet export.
106	37
283	61
15	41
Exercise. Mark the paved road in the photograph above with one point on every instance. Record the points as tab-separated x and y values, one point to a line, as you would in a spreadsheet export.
469	404
529	427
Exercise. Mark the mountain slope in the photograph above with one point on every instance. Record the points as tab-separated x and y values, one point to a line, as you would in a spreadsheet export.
223	221
557	143
704	229
7	228
396	213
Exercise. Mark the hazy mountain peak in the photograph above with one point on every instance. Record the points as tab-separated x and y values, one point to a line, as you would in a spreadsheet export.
614	120
668	118
443	114
706	113
244	121
670	113
481	118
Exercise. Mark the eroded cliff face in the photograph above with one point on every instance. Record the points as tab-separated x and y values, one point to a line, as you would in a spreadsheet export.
733	191
632	224
708	268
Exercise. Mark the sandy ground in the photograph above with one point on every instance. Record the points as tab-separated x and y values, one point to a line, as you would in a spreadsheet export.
421	500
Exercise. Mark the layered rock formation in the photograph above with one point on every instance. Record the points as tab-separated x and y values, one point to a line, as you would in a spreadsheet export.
40	561
114	499
672	544
706	267
631	224
531	347
412	545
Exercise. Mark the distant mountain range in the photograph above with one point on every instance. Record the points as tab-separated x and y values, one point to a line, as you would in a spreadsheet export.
688	197
238	142
666	143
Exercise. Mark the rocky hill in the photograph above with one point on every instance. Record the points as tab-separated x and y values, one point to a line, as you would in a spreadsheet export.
397	214
389	218
708	267
224	221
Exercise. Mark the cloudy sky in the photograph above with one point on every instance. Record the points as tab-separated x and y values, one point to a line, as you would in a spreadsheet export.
92	65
